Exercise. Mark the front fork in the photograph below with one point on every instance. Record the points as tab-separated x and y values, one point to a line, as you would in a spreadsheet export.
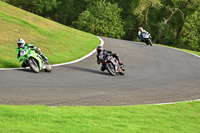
117	67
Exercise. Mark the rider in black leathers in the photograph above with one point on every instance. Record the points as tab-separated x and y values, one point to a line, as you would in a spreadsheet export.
102	55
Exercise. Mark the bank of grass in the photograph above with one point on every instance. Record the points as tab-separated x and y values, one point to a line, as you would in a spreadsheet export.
58	42
181	117
189	51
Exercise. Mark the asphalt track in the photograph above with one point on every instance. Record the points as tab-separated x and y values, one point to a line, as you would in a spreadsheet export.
153	75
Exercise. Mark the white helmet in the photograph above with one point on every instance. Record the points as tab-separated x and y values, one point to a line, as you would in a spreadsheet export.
21	43
141	29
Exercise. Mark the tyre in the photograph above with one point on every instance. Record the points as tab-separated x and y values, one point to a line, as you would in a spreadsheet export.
32	62
122	70
111	68
146	41
48	67
150	43
122	73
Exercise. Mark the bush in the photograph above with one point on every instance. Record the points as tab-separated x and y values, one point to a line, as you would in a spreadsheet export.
101	18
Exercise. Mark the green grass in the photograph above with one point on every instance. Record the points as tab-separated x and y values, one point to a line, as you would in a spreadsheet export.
58	42
190	51
181	117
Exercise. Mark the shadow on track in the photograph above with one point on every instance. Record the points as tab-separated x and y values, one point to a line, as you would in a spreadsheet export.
25	70
86	70
28	70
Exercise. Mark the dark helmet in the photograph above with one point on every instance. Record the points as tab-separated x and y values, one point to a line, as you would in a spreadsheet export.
99	49
21	43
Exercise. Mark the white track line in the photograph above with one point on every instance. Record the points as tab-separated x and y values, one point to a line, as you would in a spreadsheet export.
180	50
176	102
179	101
84	57
71	62
102	42
187	53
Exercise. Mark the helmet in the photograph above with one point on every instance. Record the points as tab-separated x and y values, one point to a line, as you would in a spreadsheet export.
99	49
21	43
141	29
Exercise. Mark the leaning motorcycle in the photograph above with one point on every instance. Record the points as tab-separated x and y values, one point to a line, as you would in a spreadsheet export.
147	38
112	65
34	60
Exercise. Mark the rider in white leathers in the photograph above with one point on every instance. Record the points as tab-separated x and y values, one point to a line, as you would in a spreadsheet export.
141	30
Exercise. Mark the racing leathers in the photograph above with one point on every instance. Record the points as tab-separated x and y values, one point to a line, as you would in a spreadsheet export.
140	35
101	56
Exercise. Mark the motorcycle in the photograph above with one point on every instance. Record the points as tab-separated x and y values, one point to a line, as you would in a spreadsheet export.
112	65
34	60
147	38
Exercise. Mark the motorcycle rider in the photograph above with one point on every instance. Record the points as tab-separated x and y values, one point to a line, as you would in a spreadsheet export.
102	55
141	30
21	44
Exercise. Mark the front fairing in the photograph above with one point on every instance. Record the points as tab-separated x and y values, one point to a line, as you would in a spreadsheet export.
145	35
114	61
23	53
37	57
26	53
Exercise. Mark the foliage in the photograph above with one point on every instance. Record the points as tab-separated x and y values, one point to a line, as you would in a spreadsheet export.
166	20
165	36
101	18
191	33
68	11
40	7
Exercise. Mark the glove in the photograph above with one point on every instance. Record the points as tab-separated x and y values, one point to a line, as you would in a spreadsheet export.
38	49
112	53
20	59
116	54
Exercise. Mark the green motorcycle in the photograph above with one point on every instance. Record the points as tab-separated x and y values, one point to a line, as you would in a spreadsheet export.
33	60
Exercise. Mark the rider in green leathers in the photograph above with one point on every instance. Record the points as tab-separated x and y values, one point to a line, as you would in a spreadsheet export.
21	44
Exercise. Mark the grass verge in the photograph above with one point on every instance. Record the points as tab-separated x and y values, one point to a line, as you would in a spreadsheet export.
181	117
58	42
186	50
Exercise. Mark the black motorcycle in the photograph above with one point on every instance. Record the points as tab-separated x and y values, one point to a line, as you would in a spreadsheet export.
112	65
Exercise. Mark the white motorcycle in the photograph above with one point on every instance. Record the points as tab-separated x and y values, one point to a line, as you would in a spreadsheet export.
147	38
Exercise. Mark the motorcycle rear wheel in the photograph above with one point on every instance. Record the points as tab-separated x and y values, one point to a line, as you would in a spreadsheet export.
150	43
48	67
122	72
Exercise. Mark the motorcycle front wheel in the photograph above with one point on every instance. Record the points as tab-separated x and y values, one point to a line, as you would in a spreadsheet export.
111	68
33	65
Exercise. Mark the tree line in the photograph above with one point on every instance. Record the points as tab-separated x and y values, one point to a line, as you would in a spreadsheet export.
170	22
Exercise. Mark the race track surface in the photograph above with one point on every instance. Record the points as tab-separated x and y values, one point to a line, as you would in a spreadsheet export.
153	75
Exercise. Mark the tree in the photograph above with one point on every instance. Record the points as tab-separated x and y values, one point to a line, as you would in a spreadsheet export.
68	11
191	36
39	7
171	18
143	6
137	13
179	10
101	18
